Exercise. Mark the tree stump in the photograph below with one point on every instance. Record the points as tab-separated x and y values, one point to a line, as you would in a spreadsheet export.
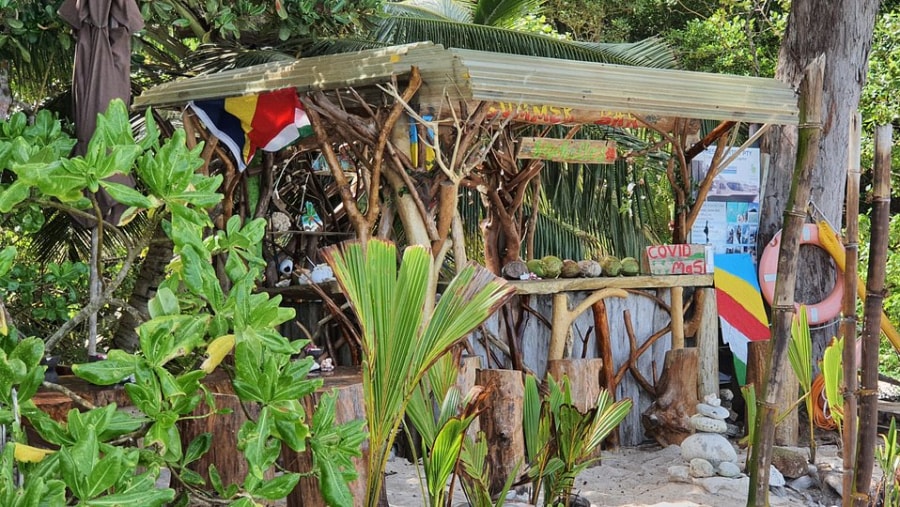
350	406
224	453
667	420
584	379
501	422
468	367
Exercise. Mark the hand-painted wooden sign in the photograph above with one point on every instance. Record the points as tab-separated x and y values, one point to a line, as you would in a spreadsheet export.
679	259
552	115
568	150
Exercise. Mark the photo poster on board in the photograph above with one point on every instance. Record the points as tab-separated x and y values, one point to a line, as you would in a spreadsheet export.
729	218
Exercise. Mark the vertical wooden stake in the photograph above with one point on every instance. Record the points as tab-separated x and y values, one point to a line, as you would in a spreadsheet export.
677	317
708	342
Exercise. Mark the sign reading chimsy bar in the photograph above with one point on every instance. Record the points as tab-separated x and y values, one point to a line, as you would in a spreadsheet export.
552	115
568	150
679	259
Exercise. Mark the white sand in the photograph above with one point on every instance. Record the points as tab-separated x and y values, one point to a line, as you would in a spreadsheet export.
638	477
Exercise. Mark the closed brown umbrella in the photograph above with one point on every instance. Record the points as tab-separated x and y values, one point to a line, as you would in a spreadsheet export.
102	73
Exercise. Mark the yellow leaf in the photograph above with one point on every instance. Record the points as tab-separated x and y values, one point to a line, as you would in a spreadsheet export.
28	454
216	352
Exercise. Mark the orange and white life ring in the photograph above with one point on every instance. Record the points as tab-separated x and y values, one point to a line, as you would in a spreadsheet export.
818	313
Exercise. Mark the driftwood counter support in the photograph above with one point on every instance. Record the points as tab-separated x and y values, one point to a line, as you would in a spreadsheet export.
560	344
603	288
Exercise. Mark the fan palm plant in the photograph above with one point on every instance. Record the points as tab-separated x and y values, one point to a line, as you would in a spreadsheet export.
401	338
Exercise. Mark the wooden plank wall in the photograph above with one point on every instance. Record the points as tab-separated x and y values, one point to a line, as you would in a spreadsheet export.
646	318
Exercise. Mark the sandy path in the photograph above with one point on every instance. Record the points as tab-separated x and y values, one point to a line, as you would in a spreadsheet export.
639	477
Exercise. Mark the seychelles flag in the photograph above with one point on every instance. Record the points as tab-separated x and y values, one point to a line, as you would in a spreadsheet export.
268	121
741	311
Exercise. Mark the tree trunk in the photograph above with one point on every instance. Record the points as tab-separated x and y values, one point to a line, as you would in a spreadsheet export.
842	31
868	397
777	389
502	423
152	273
5	93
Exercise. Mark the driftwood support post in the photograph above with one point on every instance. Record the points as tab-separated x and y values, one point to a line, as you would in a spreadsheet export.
562	318
349	407
501	422
677	317
667	420
708	342
604	350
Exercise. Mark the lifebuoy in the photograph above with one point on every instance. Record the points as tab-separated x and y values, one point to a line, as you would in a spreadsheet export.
818	313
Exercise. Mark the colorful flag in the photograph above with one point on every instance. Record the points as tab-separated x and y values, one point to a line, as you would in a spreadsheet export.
268	121
741	311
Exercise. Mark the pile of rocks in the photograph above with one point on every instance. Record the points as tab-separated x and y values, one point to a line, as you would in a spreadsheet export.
707	451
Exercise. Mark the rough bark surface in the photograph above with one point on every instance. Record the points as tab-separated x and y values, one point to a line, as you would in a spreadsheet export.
842	31
502	423
668	418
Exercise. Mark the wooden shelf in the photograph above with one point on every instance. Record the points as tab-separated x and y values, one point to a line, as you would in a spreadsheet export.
553	286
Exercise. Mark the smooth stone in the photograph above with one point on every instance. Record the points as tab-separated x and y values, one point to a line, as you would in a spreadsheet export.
792	462
708	424
679	473
712	412
802	483
835	481
701	468
728	469
712	399
726	394
727	488
712	447
776	480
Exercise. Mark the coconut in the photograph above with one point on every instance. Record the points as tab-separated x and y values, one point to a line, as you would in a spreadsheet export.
552	266
630	266
590	269
611	265
515	269
536	267
570	269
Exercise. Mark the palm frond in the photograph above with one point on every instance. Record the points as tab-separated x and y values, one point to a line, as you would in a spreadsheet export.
504	13
210	58
456	10
650	52
405	30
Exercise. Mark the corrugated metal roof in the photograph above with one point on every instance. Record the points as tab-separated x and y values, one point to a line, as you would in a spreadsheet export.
479	75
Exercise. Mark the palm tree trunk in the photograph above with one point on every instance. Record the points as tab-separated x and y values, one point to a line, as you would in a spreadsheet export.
5	93
151	274
868	397
773	389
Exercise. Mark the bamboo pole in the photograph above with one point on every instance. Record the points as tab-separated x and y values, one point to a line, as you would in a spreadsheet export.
878	246
809	135
848	322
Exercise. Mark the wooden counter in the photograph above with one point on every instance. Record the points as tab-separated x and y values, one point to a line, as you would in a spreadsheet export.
552	286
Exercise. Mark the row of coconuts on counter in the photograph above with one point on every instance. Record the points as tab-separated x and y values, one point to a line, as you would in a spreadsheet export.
551	266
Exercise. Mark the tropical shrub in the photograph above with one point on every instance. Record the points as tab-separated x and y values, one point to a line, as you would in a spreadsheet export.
108	456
